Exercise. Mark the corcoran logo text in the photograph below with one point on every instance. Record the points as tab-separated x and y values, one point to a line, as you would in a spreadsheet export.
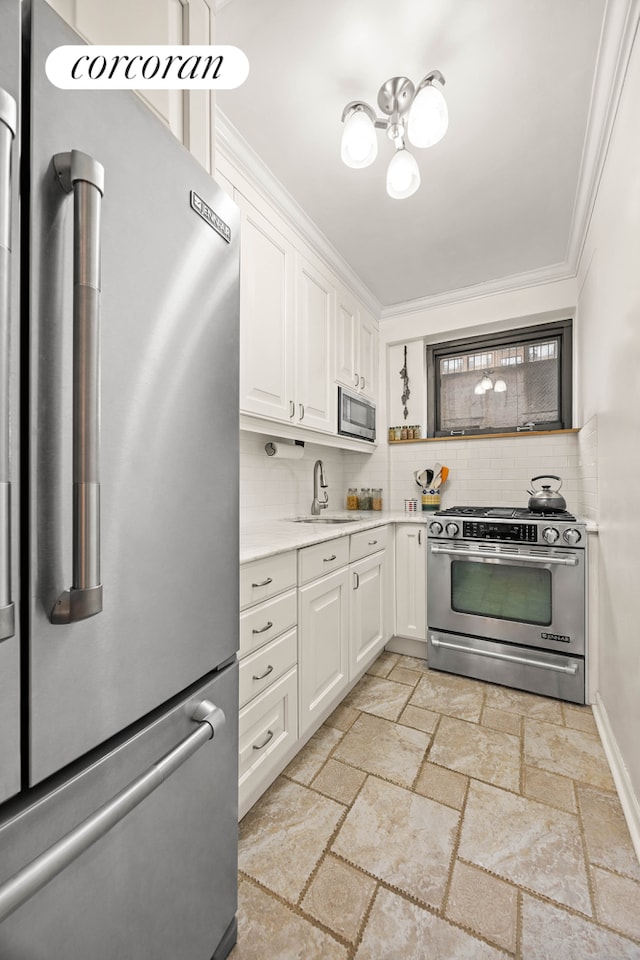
563	638
166	67
210	216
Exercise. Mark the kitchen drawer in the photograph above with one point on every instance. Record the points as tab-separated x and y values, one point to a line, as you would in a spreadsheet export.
267	734
266	665
367	542
266	621
262	579
322	558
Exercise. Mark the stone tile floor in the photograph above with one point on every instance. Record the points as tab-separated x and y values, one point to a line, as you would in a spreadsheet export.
434	817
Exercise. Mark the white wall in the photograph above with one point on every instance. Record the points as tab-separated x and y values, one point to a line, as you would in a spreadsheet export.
608	316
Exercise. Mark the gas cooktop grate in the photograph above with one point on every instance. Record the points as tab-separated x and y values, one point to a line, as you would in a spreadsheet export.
505	513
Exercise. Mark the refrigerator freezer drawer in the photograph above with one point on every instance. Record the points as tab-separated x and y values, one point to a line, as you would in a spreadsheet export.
161	882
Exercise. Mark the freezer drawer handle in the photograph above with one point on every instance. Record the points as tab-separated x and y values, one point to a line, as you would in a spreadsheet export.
83	176
8	126
39	872
571	669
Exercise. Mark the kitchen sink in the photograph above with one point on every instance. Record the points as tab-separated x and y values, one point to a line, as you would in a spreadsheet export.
326	519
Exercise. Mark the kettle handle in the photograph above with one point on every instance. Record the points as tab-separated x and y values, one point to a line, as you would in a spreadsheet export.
546	476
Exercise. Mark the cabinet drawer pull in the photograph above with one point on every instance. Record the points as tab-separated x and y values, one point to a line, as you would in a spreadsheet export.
419	538
362	383
263	583
268	626
301	406
329	559
372	543
265	674
292	409
259	746
356	582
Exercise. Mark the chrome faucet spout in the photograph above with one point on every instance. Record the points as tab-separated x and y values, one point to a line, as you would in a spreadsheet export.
319	482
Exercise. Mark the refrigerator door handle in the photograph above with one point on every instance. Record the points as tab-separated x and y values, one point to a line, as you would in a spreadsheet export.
8	126
83	176
24	884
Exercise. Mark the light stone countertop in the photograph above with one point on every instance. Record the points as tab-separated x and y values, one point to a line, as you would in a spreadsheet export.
264	538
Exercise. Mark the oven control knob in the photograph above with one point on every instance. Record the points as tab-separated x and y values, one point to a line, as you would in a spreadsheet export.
572	536
452	529
435	528
550	534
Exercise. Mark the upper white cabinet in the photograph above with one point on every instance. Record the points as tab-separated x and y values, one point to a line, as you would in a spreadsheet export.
287	310
301	330
187	113
267	349
356	357
315	393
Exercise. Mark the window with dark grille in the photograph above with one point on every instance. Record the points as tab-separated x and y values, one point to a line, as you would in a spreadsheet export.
506	383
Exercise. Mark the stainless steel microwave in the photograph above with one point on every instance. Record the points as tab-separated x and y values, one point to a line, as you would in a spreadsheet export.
356	416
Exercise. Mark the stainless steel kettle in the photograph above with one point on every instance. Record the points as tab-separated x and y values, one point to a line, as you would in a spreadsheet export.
545	499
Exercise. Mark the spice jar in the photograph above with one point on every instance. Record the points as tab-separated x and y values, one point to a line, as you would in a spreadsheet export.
365	498
403	433
376	498
398	431
352	498
392	433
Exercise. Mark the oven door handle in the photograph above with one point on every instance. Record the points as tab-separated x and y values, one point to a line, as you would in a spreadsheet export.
525	661
570	561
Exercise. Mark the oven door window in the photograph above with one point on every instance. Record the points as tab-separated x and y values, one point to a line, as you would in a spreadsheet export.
502	591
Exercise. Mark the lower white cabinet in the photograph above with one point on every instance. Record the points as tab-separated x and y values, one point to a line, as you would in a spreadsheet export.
268	733
323	618
367	634
411	582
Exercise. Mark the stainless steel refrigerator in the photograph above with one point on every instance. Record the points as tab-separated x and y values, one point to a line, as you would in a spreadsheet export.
118	524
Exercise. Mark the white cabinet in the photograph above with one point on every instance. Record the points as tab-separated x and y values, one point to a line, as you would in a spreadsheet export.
356	355
287	319
367	571
188	113
323	618
315	393
411	583
267	349
268	683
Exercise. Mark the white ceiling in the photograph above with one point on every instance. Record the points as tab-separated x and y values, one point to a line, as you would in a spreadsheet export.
498	192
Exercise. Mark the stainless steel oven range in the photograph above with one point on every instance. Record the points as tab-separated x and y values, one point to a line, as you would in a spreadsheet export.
506	598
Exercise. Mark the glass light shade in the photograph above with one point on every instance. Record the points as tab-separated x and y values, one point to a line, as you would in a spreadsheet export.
479	389
486	382
403	176
359	140
428	116
500	386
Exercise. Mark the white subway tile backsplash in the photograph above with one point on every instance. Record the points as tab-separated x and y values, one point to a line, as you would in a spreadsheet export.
483	472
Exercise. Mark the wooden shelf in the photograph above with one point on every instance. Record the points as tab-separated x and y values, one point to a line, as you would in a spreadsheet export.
487	436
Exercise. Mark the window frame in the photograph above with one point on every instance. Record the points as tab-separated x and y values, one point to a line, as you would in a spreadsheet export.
563	329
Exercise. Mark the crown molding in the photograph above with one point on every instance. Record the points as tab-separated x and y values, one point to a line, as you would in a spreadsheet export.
242	155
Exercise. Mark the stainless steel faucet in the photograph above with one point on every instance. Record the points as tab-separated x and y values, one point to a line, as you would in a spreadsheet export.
319	480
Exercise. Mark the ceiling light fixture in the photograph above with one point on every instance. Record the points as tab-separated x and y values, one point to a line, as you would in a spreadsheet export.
417	113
